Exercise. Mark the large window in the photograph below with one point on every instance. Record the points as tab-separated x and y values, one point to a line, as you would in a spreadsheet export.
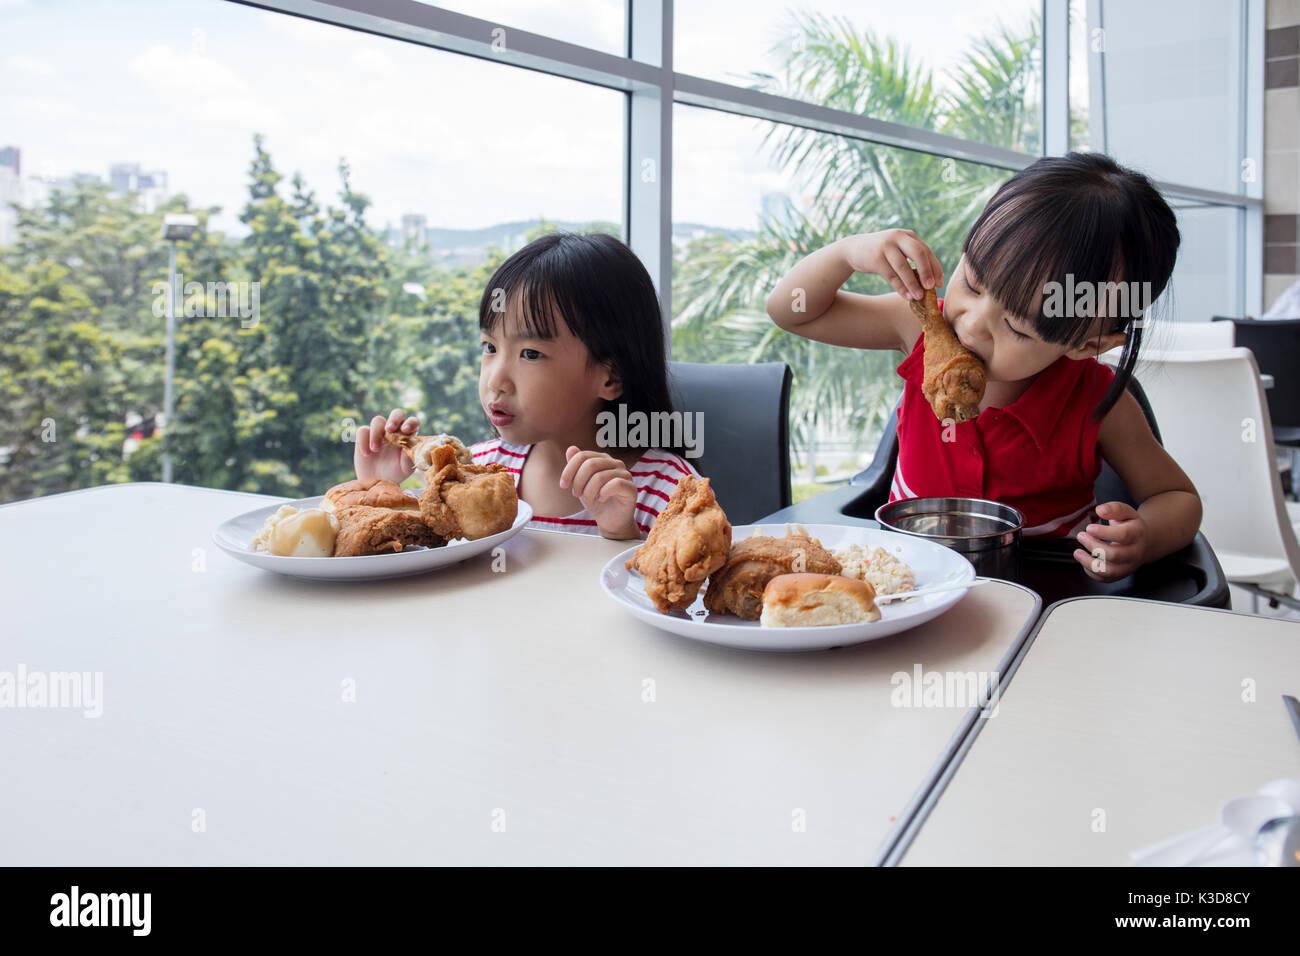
365	172
754	197
360	187
946	70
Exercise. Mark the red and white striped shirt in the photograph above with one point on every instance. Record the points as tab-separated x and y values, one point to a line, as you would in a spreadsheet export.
655	476
1039	454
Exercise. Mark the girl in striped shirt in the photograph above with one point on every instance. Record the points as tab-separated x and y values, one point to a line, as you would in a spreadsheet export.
570	328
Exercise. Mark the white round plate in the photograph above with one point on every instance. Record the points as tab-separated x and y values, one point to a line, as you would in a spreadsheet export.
931	564
235	538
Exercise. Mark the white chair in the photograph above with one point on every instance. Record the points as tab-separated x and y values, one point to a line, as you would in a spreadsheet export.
1214	422
1180	337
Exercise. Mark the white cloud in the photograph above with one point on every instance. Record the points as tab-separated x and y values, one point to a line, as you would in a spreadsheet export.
372	61
189	73
29	65
240	112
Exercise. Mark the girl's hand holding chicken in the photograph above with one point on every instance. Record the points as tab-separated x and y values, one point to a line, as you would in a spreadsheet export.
605	487
886	253
375	458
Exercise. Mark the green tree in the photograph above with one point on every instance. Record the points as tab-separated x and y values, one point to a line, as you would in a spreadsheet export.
720	286
321	276
62	427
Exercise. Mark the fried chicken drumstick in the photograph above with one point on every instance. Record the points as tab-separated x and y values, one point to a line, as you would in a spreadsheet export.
467	501
689	540
954	376
420	447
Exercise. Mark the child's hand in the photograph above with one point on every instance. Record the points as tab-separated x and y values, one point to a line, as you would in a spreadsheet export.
605	488
1113	550
886	253
375	458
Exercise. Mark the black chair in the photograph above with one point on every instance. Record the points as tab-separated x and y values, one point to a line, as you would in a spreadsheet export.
746	432
1276	345
1047	565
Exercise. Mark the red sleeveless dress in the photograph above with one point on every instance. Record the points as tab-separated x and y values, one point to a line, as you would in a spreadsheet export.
1038	454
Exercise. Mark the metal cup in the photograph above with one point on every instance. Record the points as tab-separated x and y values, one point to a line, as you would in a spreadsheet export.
985	532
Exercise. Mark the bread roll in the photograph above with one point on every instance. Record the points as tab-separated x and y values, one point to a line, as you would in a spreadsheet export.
368	493
815	600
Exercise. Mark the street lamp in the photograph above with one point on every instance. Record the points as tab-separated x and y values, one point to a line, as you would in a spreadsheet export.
176	227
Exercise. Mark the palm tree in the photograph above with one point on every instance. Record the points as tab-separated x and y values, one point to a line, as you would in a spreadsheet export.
720	285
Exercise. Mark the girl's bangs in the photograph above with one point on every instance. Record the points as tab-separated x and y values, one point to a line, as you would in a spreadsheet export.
1021	246
540	316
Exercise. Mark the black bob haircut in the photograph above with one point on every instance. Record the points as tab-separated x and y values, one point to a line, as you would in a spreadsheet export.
1081	214
595	286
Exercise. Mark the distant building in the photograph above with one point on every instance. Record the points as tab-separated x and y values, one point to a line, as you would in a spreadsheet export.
150	185
11	191
413	228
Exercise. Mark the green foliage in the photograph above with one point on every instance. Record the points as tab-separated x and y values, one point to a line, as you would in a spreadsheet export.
720	285
62	393
266	403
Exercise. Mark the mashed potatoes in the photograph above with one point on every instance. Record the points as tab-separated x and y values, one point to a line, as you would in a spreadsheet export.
878	567
291	533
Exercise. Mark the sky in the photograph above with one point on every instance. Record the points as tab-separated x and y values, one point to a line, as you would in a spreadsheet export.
182	86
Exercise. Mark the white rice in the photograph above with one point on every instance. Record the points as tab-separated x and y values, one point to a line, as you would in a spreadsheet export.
884	572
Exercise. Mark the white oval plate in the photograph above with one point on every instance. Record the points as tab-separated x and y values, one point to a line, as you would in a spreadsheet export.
236	535
931	564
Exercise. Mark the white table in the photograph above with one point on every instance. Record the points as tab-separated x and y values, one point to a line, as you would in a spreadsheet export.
1129	707
482	700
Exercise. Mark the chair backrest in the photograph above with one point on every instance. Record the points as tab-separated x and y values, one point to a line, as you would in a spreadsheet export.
1276	344
1216	426
746	432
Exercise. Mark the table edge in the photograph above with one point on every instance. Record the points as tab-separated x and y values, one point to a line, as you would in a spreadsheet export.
922	800
914	824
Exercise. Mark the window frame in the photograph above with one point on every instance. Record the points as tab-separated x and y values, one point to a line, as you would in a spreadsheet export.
651	86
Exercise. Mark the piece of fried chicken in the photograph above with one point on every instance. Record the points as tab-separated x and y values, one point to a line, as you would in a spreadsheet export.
368	492
467	501
420	447
369	530
738	586
689	540
954	377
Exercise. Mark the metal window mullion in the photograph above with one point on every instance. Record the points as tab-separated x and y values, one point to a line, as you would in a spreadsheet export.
483	39
755	104
647	177
1056	77
1096	80
1252	149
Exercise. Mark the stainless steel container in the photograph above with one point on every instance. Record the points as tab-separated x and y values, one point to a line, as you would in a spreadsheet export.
985	532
